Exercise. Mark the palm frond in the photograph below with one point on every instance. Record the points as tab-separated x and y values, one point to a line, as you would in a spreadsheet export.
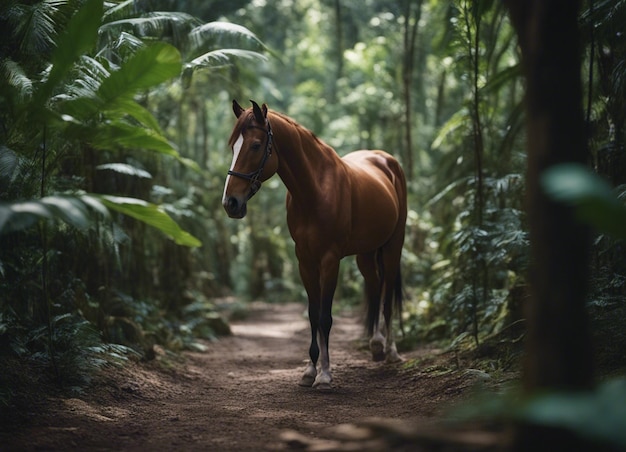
78	210
146	68
223	35
19	215
116	11
90	74
35	26
16	79
9	166
217	59
606	15
99	92
77	39
223	57
152	215
120	49
168	26
125	168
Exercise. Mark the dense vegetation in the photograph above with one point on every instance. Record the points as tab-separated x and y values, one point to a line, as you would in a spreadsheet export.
114	121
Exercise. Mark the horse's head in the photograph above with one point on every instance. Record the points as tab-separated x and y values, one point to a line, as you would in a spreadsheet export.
253	159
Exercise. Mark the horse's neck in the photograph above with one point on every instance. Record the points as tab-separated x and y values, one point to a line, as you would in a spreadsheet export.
304	160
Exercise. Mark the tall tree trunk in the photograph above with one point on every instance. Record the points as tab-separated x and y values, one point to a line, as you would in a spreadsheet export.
479	271
558	349
338	50
410	36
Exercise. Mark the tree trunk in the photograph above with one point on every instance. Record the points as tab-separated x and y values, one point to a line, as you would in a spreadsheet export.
338	50
410	36
558	349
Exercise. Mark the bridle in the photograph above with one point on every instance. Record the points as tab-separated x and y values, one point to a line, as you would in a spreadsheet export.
254	176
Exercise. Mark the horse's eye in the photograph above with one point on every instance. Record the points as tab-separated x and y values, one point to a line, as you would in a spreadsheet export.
256	146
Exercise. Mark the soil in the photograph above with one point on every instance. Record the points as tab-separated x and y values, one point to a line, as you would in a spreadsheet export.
241	394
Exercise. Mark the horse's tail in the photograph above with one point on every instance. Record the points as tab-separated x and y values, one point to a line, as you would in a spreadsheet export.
395	244
398	299
373	306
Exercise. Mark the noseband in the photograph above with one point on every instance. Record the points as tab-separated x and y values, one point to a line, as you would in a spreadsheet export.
254	176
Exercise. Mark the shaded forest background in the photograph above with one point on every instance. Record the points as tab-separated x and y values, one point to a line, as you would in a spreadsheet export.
114	122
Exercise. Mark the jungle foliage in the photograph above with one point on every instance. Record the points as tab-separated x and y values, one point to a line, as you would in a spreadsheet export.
114	121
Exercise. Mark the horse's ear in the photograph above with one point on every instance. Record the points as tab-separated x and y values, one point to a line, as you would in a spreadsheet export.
259	114
237	109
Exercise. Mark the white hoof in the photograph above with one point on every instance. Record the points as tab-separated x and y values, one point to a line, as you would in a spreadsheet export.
308	378
393	357
306	381
322	382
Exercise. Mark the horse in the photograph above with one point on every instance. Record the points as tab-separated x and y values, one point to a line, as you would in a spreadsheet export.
336	207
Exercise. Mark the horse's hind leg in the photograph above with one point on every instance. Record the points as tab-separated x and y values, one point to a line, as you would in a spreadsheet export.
368	268
391	351
392	292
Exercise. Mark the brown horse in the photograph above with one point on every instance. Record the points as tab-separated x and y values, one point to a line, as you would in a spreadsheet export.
336	207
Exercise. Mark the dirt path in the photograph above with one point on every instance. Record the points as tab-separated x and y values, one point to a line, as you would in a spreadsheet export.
241	394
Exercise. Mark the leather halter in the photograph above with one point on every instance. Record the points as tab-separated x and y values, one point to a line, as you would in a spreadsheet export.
254	176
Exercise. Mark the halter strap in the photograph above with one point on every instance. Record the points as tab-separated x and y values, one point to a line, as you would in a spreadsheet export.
254	176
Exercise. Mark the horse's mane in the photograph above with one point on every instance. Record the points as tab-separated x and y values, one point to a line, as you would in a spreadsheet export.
298	126
246	119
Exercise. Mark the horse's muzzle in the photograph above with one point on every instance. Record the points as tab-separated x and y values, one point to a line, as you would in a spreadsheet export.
234	207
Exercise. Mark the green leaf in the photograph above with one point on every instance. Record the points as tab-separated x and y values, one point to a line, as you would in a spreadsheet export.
504	77
68	209
9	163
76	211
128	107
160	25
457	120
224	35
116	135
152	215
125	168
223	57
15	77
147	68
113	135
216	59
591	196
124	9
79	38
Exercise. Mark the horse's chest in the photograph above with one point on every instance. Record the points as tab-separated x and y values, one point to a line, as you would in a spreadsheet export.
315	230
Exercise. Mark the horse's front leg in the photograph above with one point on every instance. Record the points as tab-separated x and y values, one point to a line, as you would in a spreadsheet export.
328	283
311	280
320	281
308	378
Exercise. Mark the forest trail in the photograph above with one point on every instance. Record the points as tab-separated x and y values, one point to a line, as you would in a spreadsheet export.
241	394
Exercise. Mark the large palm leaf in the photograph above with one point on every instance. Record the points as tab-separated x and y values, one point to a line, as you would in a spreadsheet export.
203	46
173	27
97	107
34	26
79	211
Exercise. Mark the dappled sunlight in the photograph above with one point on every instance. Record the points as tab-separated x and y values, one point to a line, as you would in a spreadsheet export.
269	329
